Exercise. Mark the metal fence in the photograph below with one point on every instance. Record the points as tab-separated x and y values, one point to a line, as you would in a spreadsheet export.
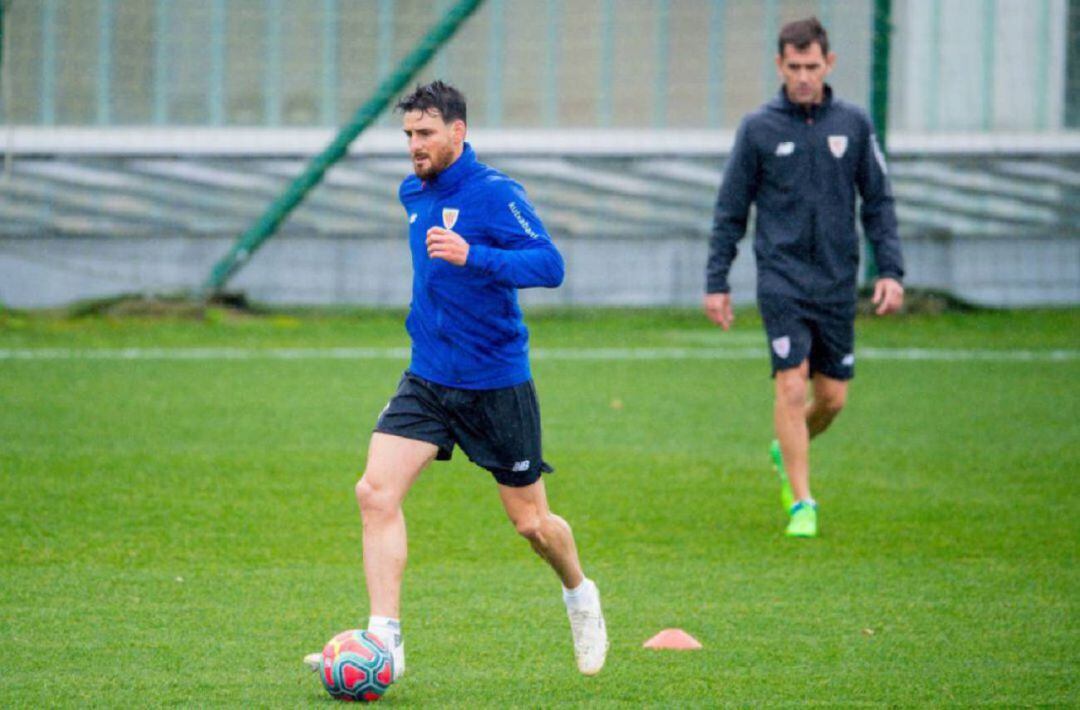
142	136
975	65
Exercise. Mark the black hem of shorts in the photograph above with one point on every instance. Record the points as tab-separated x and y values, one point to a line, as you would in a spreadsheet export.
846	377
519	479
443	454
796	366
832	375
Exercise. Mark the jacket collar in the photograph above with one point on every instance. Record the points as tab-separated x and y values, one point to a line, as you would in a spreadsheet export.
783	103
458	170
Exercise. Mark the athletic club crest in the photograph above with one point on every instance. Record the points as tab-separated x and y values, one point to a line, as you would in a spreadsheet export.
449	216
838	145
782	347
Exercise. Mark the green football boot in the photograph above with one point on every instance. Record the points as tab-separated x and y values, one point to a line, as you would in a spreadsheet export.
787	498
803	521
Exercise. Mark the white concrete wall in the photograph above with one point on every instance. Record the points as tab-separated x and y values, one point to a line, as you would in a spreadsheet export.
318	270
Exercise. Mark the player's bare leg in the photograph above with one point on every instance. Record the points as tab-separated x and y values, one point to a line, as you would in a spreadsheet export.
393	465
548	534
829	398
552	539
790	420
793	432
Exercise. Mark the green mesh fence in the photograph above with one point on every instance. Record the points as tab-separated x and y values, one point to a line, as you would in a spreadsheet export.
960	65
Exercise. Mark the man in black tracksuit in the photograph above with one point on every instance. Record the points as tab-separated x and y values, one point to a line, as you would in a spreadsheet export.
800	158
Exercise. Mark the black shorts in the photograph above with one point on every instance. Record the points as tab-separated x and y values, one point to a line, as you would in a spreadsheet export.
823	333
497	429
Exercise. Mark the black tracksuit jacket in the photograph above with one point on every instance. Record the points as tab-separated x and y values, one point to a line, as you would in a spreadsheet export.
802	168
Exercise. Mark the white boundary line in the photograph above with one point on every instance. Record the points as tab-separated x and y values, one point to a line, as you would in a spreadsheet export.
579	354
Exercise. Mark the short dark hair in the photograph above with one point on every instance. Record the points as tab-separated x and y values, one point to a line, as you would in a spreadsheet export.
437	95
801	34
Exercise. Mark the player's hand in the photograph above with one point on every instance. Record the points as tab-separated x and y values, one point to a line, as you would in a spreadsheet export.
718	309
447	245
888	296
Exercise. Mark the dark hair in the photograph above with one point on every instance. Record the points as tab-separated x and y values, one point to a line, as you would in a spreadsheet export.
437	95
801	34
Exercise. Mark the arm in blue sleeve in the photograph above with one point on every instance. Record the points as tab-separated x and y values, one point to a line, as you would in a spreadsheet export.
737	190
878	210
522	254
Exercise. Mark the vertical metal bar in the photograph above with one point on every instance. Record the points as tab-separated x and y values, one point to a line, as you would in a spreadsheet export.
1043	48
272	66
385	46
879	95
772	30
48	62
496	59
607	62
5	91
663	55
5	94
879	86
442	59
329	103
934	68
715	100
216	90
161	62
989	28
106	20
550	108
825	13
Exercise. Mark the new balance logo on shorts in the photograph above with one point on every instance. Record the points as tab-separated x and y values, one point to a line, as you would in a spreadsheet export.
520	466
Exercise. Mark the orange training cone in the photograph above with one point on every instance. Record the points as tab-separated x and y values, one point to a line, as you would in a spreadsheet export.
673	638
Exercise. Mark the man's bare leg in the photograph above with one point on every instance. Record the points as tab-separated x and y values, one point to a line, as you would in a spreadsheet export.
552	539
393	465
790	420
829	398
549	535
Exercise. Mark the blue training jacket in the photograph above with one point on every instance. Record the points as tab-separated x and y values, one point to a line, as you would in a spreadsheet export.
465	323
802	169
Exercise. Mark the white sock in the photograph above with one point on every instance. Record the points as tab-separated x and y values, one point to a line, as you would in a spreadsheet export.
386	628
582	595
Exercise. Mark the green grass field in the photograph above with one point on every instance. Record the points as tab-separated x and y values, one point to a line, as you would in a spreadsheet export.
177	527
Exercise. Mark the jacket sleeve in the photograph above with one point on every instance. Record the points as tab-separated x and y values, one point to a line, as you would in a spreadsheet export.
737	190
878	211
521	254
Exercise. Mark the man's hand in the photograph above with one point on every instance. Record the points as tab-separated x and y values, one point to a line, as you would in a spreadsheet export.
888	296
447	245
718	309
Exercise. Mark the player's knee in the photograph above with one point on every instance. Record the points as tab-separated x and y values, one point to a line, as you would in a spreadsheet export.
530	527
834	403
371	499
791	394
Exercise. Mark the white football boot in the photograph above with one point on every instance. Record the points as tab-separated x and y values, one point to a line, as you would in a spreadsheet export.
397	650
589	631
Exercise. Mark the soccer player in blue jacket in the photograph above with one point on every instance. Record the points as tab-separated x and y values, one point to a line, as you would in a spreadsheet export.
801	158
475	239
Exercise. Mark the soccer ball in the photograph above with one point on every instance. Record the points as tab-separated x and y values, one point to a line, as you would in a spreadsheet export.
356	666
